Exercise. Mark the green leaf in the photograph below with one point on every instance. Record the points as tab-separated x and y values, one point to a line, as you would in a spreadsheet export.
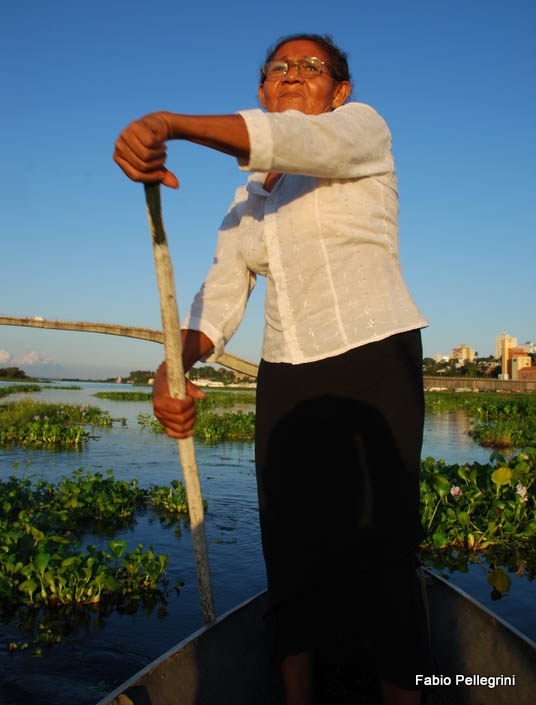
68	562
463	518
439	539
117	547
28	586
501	476
41	561
111	583
441	485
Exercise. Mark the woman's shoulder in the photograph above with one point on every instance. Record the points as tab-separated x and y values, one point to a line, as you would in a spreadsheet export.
361	111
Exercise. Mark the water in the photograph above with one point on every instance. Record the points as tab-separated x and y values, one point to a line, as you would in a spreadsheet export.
100	657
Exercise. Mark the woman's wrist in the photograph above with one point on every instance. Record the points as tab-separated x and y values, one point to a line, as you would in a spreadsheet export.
225	133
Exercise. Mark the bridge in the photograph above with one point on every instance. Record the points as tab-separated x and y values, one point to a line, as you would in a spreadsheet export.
473	384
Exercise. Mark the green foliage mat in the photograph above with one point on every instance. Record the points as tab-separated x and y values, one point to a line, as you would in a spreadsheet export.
19	389
212	399
124	396
211	427
474	506
39	424
43	569
501	420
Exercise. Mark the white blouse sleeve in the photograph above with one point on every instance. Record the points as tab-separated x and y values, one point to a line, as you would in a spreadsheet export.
219	305
350	142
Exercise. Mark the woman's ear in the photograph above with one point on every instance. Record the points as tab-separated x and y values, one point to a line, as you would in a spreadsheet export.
261	95
341	94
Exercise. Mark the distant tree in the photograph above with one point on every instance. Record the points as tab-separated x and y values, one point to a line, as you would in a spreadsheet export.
209	372
13	373
141	376
429	366
218	375
470	369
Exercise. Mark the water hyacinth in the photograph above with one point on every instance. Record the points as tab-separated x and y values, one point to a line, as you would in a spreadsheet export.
456	491
476	506
43	565
500	420
522	492
30	423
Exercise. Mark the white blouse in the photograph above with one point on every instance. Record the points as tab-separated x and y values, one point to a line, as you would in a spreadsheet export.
326	239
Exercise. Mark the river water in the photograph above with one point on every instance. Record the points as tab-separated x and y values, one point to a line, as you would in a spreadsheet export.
100	656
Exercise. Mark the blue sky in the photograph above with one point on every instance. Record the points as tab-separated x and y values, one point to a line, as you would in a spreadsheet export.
454	80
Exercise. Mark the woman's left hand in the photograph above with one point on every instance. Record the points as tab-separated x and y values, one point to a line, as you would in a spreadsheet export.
140	150
177	416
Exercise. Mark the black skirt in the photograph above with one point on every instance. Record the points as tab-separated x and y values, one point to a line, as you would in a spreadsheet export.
338	446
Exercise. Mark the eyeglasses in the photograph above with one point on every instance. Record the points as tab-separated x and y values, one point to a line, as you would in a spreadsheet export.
306	66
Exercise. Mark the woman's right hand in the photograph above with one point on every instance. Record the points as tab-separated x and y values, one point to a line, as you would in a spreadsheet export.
176	415
140	150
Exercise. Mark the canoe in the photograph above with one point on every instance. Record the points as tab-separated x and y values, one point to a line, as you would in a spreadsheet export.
480	660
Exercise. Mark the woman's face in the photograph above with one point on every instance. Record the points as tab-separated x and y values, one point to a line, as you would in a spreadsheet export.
296	92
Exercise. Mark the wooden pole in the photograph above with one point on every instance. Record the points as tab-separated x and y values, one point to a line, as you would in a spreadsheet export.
177	389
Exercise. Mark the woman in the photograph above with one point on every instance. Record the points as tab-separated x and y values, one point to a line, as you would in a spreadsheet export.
339	397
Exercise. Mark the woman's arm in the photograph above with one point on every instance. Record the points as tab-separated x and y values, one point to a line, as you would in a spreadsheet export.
178	415
350	142
140	150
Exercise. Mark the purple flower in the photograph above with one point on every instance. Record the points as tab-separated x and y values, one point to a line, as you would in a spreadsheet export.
456	492
522	492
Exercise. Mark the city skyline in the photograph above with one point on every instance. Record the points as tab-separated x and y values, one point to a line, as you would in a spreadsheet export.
454	90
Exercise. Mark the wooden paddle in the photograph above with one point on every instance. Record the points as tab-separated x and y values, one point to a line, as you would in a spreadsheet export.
177	389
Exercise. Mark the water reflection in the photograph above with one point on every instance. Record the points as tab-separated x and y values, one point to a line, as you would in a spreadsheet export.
501	579
446	436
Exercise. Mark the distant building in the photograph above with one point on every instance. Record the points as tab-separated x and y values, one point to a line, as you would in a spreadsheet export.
439	357
517	360
204	382
463	353
527	374
503	343
528	347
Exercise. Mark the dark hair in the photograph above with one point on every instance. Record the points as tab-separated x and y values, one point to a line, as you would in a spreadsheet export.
337	59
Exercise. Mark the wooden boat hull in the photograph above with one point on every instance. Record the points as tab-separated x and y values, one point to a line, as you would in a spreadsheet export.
224	663
227	664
